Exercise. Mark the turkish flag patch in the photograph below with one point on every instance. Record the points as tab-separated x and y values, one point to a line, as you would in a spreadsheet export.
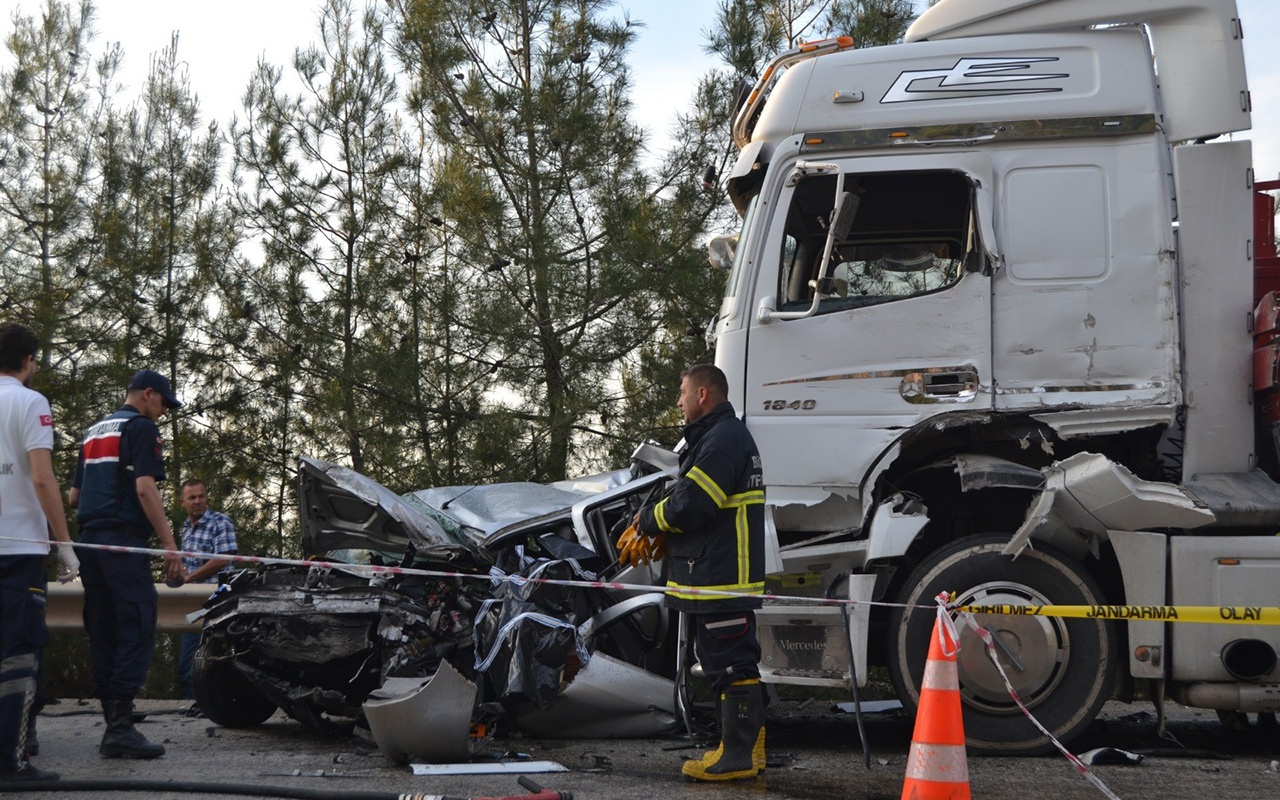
46	420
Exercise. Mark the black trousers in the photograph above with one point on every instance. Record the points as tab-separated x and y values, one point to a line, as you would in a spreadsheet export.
22	635
120	611
726	646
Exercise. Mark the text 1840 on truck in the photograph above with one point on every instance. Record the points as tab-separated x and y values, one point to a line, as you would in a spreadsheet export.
999	321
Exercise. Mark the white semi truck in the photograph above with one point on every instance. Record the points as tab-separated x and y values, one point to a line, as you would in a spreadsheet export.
990	320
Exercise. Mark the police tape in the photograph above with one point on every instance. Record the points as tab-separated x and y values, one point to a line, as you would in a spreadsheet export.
989	642
1239	615
494	575
1232	615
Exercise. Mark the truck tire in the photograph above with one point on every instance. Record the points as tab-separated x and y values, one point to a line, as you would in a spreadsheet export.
225	696
1067	666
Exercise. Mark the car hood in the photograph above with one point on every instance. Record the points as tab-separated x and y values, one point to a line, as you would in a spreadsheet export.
341	509
492	507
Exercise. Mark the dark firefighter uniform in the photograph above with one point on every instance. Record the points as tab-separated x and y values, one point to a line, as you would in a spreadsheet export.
120	595
713	518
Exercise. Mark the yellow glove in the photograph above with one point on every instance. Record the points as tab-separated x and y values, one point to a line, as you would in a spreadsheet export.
657	548
631	547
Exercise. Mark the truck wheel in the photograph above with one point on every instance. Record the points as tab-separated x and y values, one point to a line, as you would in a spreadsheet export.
225	696
1065	667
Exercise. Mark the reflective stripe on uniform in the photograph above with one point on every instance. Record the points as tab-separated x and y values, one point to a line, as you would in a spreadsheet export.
751	498
676	590
742	529
660	517
713	490
18	674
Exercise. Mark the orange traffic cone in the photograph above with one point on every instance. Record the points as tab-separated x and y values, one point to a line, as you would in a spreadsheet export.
936	766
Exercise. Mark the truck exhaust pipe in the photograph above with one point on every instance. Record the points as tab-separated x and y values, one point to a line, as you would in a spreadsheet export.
1246	697
1248	659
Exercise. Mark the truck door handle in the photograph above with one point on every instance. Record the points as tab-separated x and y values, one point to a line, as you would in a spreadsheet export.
953	386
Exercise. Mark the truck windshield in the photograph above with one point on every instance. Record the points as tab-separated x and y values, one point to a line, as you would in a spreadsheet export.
909	237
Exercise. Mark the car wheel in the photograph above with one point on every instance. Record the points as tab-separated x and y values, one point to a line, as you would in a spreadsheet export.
1062	669
225	696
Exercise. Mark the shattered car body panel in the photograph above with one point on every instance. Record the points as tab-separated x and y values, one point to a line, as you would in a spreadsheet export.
1088	494
342	509
320	642
492	507
316	642
427	719
608	699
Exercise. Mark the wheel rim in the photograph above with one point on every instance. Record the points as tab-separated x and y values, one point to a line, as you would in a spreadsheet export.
1033	650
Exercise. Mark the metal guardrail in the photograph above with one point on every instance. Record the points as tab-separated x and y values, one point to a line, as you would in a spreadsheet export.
66	606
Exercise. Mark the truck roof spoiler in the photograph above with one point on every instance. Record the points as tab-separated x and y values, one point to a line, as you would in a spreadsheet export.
1197	45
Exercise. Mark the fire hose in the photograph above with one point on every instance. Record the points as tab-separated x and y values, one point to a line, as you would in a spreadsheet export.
253	790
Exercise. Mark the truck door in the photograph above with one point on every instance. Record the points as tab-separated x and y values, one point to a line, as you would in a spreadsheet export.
904	335
1084	319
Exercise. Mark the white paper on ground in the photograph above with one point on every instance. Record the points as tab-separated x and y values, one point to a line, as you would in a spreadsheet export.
487	768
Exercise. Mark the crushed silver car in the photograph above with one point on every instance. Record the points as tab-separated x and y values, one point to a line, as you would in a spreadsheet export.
320	642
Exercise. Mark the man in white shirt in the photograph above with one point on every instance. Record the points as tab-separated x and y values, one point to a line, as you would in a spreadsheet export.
30	512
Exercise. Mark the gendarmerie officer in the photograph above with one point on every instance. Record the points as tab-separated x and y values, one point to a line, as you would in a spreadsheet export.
118	502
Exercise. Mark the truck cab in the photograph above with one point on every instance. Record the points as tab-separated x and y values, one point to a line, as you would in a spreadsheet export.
988	320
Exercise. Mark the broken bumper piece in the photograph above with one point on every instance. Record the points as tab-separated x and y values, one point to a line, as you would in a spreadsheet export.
1089	494
423	719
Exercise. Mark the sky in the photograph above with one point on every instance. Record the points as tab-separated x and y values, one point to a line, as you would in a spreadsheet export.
221	40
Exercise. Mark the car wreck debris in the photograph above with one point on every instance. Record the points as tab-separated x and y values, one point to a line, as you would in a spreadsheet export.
422	660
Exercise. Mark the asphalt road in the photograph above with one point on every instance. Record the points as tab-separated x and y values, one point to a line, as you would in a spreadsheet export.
814	753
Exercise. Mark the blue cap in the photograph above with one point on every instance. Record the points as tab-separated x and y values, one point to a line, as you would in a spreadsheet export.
150	379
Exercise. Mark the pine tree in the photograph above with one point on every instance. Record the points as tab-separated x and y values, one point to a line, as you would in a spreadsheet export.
53	103
315	173
557	231
165	236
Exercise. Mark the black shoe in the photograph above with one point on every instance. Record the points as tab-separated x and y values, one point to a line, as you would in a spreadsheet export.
121	739
27	772
194	711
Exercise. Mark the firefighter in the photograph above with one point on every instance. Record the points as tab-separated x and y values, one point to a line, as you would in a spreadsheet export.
712	519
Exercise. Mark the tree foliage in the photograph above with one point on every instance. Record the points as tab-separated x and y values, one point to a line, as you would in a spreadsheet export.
434	246
564	242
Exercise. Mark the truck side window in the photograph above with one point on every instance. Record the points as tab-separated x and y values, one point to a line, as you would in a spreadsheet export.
908	238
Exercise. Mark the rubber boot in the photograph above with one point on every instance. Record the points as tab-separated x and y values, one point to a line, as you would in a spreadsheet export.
757	752
741	752
121	739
